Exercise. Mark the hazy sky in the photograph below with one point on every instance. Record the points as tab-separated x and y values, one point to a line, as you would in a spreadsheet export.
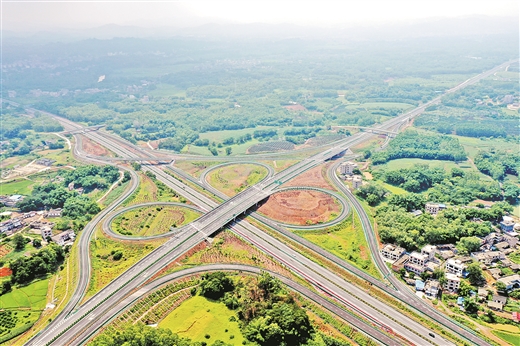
22	15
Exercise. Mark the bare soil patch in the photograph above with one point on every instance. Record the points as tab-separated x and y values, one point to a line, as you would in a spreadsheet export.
301	207
93	148
5	272
314	177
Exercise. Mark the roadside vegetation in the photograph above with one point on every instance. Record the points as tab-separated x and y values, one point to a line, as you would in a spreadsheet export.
229	309
111	257
233	179
152	190
345	240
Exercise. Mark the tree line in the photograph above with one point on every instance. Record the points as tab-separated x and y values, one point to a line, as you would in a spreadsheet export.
413	144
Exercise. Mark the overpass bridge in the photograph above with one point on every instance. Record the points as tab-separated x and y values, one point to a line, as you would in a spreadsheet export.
82	130
389	133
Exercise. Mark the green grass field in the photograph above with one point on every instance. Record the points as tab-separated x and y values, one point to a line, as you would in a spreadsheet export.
19	186
408	163
233	179
32	296
513	339
394	189
104	267
198	316
148	221
473	145
346	240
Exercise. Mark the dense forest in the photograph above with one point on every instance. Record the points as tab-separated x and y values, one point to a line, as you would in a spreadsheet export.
396	225
414	144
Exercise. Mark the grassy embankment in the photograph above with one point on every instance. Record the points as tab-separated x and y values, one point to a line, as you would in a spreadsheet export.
347	241
153	220
233	179
105	265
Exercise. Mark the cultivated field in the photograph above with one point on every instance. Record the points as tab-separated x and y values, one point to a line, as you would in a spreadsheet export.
233	179
21	308
301	207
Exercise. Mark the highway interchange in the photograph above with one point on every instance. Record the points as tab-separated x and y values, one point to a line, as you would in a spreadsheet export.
76	323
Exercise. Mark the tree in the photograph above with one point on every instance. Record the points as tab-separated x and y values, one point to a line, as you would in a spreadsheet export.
126	177
501	287
465	288
117	255
6	287
467	245
214	285
228	151
136	166
140	335
475	275
36	243
471	306
19	242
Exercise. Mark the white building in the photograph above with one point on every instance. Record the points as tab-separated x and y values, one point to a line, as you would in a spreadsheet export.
64	237
452	282
434	208
357	182
416	263
431	288
347	167
455	267
46	233
511	281
429	251
392	252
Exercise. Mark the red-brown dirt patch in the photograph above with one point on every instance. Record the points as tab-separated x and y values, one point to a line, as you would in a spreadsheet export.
93	148
295	108
5	272
314	177
300	207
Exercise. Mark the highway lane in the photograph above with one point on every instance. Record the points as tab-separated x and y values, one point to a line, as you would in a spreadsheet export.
350	300
309	294
245	231
392	122
288	174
